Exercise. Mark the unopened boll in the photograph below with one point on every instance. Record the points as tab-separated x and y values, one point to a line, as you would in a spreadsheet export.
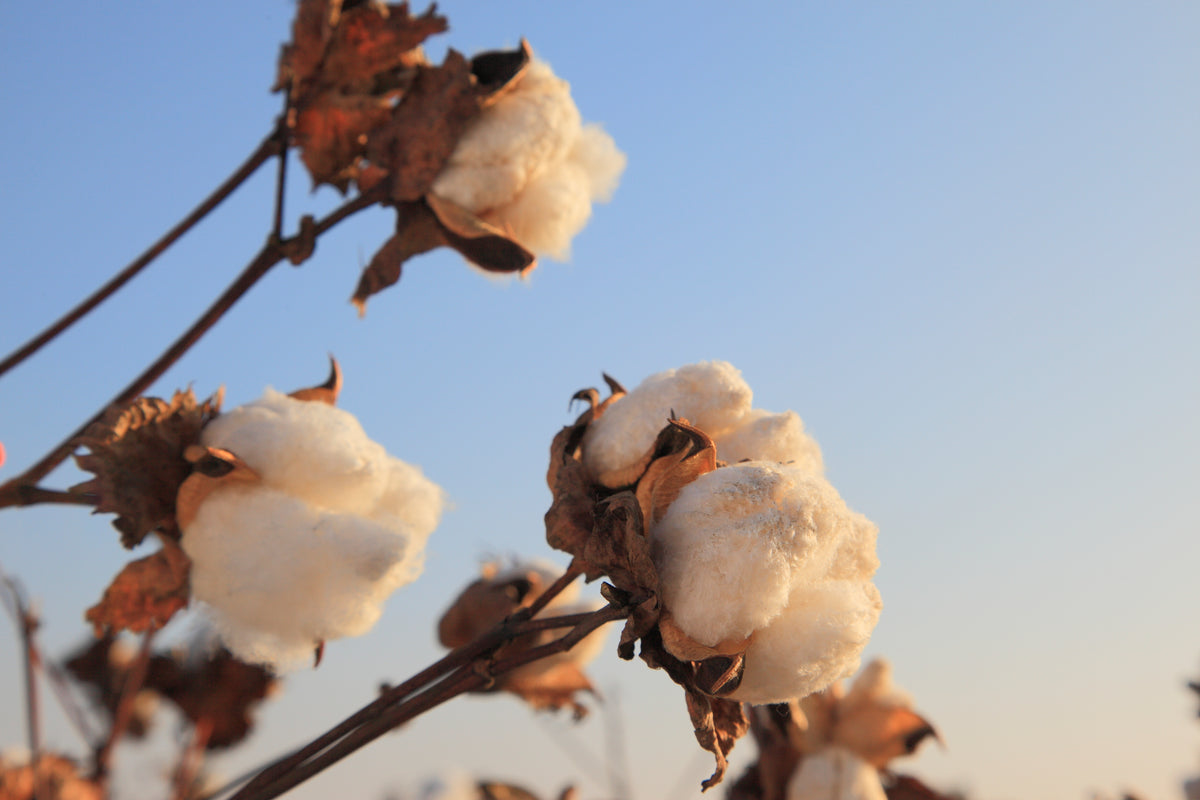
528	165
769	554
713	397
311	551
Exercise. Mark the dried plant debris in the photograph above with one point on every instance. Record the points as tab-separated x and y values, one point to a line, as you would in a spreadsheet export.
136	452
552	682
145	594
747	581
52	778
103	665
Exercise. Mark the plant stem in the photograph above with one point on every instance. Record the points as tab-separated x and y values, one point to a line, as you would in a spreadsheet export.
133	684
19	491
261	154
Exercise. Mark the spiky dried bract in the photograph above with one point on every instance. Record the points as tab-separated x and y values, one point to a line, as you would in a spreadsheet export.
136	452
309	550
550	682
529	166
53	777
835	774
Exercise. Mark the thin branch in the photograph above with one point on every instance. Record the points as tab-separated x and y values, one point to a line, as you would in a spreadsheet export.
192	759
27	623
17	491
376	719
38	495
552	591
124	713
282	133
261	154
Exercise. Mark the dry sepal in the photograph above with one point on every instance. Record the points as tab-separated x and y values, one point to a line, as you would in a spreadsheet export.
501	591
52	778
746	581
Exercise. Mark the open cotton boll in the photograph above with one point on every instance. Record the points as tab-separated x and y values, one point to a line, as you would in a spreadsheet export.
875	685
763	436
312	551
528	166
770	551
711	395
835	774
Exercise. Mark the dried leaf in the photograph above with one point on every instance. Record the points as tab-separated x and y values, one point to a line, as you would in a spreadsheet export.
145	594
370	40
775	731
326	392
331	131
136	452
877	733
552	688
485	603
681	454
417	231
220	691
484	245
718	724
425	127
52	778
103	666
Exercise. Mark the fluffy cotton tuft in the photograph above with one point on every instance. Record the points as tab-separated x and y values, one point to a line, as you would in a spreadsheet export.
835	774
770	552
714	397
311	552
530	167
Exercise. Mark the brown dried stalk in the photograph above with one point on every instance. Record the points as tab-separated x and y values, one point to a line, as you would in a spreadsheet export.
133	684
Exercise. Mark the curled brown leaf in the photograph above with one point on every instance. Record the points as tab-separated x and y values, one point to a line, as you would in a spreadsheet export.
145	594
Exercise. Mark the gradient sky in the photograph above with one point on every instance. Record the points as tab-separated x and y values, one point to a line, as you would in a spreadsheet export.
960	239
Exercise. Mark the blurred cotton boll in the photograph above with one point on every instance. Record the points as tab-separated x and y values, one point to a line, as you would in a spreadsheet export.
529	166
768	554
309	549
835	774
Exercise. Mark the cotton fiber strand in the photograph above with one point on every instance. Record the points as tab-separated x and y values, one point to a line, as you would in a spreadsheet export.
529	166
835	774
771	552
311	552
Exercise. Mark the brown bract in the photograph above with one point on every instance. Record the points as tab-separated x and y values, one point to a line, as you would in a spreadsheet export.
145	594
218	692
136	453
548	683
53	778
604	522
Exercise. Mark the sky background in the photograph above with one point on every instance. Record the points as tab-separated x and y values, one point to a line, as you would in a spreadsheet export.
959	239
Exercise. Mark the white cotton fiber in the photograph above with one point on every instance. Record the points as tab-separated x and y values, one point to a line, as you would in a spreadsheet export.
763	436
711	395
835	774
770	551
528	166
312	551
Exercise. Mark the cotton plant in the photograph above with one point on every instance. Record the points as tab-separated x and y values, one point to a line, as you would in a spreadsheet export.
751	576
299	526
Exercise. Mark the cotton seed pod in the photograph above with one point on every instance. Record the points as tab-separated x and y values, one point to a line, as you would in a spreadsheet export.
713	397
305	531
766	559
527	165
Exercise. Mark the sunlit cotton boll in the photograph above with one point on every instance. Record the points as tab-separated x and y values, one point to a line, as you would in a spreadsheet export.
835	774
311	552
770	553
712	396
529	166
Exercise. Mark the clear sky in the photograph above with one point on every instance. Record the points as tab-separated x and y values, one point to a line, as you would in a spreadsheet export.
959	239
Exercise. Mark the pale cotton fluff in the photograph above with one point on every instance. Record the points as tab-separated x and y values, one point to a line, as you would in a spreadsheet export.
311	552
771	553
530	167
835	774
565	603
712	396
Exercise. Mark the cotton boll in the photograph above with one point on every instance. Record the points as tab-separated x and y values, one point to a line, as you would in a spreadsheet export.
312	551
711	395
305	448
835	774
770	551
875	685
763	436
528	166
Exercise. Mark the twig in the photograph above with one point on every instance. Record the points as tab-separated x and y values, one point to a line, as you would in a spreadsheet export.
376	719
262	153
27	623
282	133
124	713
16	492
192	759
552	591
38	495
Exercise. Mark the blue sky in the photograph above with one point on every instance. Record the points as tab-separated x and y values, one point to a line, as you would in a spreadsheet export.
959	240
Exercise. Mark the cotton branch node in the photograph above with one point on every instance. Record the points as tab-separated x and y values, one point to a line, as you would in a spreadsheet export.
299	526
